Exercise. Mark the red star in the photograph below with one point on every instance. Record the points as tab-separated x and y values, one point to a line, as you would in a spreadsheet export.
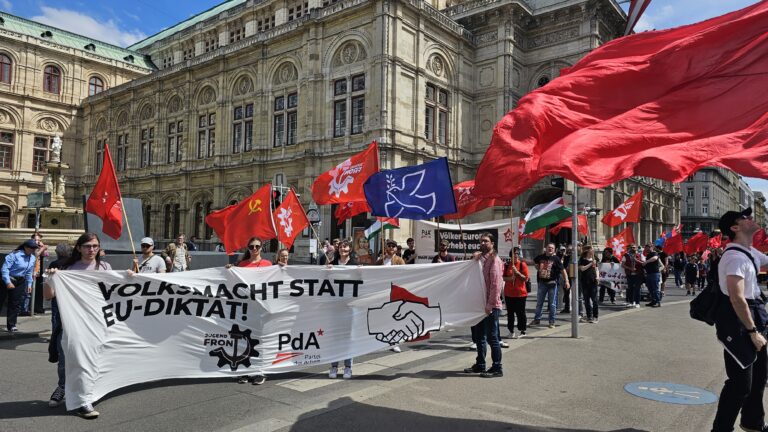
320	332
508	235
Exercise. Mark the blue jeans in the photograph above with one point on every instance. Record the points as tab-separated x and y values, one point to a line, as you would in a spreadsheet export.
678	278
488	329
548	289
347	363
652	281
56	325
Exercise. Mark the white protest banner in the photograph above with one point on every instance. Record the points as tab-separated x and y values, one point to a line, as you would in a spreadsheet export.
121	330
427	240
613	273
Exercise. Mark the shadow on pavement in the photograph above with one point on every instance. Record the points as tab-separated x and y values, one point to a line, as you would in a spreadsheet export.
346	415
29	409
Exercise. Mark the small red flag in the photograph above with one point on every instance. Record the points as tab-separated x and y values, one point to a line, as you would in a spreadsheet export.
290	219
105	200
674	243
251	217
467	202
536	235
568	223
715	241
620	242
344	183
760	240
697	243
628	211
347	210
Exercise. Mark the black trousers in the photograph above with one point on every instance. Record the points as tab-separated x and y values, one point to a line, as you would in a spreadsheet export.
14	300
516	310
611	293
743	391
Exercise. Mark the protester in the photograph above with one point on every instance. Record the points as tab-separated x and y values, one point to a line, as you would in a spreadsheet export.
632	263
607	258
63	251
442	253
691	276
329	254
409	255
149	262
741	326
192	244
565	255
702	276
168	255
550	270
26	302
344	258
281	258
664	265
515	293
651	266
588	276
182	259
252	258
678	265
85	256
388	258
488	328
18	276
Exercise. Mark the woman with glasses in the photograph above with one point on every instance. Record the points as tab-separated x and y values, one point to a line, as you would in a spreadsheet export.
85	256
252	258
281	258
343	258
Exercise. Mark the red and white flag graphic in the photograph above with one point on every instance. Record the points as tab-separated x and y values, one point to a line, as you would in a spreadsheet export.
628	211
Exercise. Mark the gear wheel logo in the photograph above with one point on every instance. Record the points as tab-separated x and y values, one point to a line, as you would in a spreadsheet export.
237	356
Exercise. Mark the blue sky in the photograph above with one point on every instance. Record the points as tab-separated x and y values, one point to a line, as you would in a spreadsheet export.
126	22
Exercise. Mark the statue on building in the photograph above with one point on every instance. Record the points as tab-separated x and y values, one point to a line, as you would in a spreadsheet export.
56	149
59	186
49	182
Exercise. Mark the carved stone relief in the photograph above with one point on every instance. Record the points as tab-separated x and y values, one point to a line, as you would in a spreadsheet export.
243	86
4	117
122	119
207	96
147	112
487	75
48	124
350	52
285	73
436	64
101	125
174	105
553	37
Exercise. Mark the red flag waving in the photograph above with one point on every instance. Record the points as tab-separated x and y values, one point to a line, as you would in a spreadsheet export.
577	127
105	200
568	223
697	243
347	210
290	219
628	211
760	241
674	243
620	242
467	203
715	241
251	217
344	183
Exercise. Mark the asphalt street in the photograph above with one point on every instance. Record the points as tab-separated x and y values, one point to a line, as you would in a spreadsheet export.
551	383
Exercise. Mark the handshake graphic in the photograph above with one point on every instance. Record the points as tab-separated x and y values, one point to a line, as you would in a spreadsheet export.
402	321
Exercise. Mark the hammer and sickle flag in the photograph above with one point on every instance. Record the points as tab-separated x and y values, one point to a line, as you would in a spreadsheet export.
251	217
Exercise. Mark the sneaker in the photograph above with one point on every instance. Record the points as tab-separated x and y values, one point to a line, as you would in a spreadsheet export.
503	344
473	346
594	321
396	349
475	369
651	304
535	322
492	373
334	372
655	305
259	380
521	335
552	325
637	306
514	336
243	379
56	398
752	429
347	373
613	302
630	305
582	320
87	412
12	329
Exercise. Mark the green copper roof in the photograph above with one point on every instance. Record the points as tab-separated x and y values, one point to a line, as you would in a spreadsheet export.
202	16
72	40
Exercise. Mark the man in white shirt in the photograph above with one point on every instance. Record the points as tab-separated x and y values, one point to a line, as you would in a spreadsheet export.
741	325
182	258
149	262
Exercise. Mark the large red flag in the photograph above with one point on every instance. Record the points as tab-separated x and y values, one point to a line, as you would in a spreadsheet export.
105	200
347	210
251	217
467	203
344	183
625	110
620	242
290	219
568	223
674	243
697	243
628	211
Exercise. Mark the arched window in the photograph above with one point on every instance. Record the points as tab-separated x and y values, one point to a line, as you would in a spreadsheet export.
5	68
52	79
95	85
5	216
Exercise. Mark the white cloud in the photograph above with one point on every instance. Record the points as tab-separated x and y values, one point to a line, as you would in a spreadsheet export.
6	5
76	22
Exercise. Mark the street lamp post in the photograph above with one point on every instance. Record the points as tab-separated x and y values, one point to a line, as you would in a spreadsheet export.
592	213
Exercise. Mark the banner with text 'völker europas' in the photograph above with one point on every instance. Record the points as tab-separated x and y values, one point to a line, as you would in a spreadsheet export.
121	330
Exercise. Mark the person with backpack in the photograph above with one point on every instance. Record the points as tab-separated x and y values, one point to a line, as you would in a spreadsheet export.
741	326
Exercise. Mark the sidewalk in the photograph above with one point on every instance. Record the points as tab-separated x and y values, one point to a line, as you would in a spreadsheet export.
38	326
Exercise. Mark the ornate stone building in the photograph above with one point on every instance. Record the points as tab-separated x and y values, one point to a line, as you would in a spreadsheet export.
252	91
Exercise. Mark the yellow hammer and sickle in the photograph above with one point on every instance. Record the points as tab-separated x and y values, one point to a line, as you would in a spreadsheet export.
254	206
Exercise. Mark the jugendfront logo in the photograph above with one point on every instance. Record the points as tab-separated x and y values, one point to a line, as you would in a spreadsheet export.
234	349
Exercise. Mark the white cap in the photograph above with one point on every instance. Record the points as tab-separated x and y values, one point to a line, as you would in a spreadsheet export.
147	240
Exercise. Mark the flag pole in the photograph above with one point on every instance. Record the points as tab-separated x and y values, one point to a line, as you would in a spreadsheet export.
130	236
463	243
574	264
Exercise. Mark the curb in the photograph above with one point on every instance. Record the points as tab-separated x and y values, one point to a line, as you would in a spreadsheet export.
22	335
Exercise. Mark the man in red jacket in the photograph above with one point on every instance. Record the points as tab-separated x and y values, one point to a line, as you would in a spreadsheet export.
488	328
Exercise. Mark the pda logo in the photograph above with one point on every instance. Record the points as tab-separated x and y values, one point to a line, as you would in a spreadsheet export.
299	344
234	349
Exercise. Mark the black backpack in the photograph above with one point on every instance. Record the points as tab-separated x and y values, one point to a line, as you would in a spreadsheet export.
704	306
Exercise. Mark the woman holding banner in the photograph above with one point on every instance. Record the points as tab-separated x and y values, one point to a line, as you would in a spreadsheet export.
343	258
85	256
588	280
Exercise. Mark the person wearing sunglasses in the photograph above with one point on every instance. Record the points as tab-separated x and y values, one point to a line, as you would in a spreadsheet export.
149	262
252	256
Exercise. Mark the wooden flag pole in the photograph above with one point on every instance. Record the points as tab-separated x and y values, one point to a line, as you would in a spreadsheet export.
130	236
